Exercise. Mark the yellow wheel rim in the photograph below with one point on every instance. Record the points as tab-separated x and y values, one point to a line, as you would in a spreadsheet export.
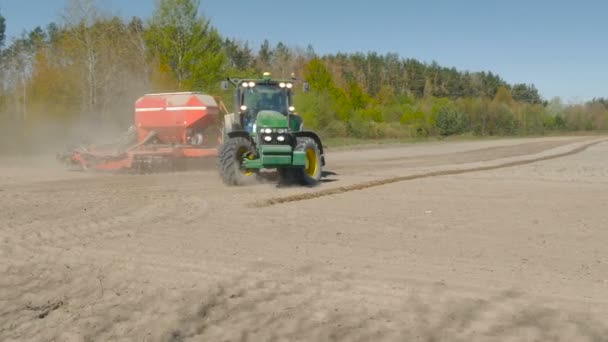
311	162
242	151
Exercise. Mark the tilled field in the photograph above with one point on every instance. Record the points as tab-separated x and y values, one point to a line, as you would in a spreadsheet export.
500	240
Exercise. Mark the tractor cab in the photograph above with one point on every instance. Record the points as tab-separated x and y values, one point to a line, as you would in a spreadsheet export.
262	97
253	96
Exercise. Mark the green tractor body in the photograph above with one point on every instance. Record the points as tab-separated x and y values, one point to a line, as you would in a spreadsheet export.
265	132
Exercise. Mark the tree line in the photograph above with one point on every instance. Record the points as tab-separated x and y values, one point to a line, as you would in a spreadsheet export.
83	75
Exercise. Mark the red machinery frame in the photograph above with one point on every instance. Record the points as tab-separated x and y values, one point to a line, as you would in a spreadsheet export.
169	128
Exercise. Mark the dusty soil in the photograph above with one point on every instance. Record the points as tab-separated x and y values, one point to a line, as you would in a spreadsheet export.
512	253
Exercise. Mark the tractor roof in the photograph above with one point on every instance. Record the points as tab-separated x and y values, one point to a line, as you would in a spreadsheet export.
266	79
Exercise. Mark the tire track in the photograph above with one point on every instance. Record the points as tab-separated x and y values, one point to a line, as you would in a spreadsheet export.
371	184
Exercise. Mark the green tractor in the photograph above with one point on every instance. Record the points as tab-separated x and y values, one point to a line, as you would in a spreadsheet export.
264	132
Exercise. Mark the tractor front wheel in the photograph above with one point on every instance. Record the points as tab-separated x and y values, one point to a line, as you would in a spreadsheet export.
311	173
231	155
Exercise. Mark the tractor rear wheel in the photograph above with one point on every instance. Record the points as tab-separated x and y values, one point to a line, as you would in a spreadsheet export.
311	173
231	155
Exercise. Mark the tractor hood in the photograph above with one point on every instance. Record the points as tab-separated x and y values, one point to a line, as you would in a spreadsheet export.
271	119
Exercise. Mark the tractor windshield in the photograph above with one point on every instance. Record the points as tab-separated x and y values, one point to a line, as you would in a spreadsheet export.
266	97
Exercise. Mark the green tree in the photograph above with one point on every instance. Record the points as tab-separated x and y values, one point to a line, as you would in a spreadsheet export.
450	121
322	82
500	119
186	42
526	93
414	77
357	98
318	76
310	52
316	108
53	33
283	61
239	57
2	31
264	55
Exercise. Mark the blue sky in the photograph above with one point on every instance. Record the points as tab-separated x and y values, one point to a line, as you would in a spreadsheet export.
557	45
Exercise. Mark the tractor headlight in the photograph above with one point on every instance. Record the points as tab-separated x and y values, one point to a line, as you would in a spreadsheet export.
251	84
282	85
281	138
267	131
281	131
268	138
289	85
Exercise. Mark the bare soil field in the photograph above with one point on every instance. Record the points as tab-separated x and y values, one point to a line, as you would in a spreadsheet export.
501	240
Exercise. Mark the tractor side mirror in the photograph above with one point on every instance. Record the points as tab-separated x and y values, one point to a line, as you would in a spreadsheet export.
224	85
306	87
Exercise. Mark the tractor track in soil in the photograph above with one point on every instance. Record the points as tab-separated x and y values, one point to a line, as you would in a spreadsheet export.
371	184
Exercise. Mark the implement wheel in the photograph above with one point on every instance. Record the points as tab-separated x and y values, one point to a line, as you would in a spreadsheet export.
231	155
311	173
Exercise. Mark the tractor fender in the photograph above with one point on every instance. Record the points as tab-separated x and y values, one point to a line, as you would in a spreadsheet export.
316	138
236	134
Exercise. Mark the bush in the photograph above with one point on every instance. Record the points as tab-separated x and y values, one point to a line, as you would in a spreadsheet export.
450	121
369	114
549	122
560	122
505	123
415	123
337	129
317	109
392	130
362	129
413	118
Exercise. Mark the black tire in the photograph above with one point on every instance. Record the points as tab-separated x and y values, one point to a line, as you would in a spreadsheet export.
231	154
311	174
